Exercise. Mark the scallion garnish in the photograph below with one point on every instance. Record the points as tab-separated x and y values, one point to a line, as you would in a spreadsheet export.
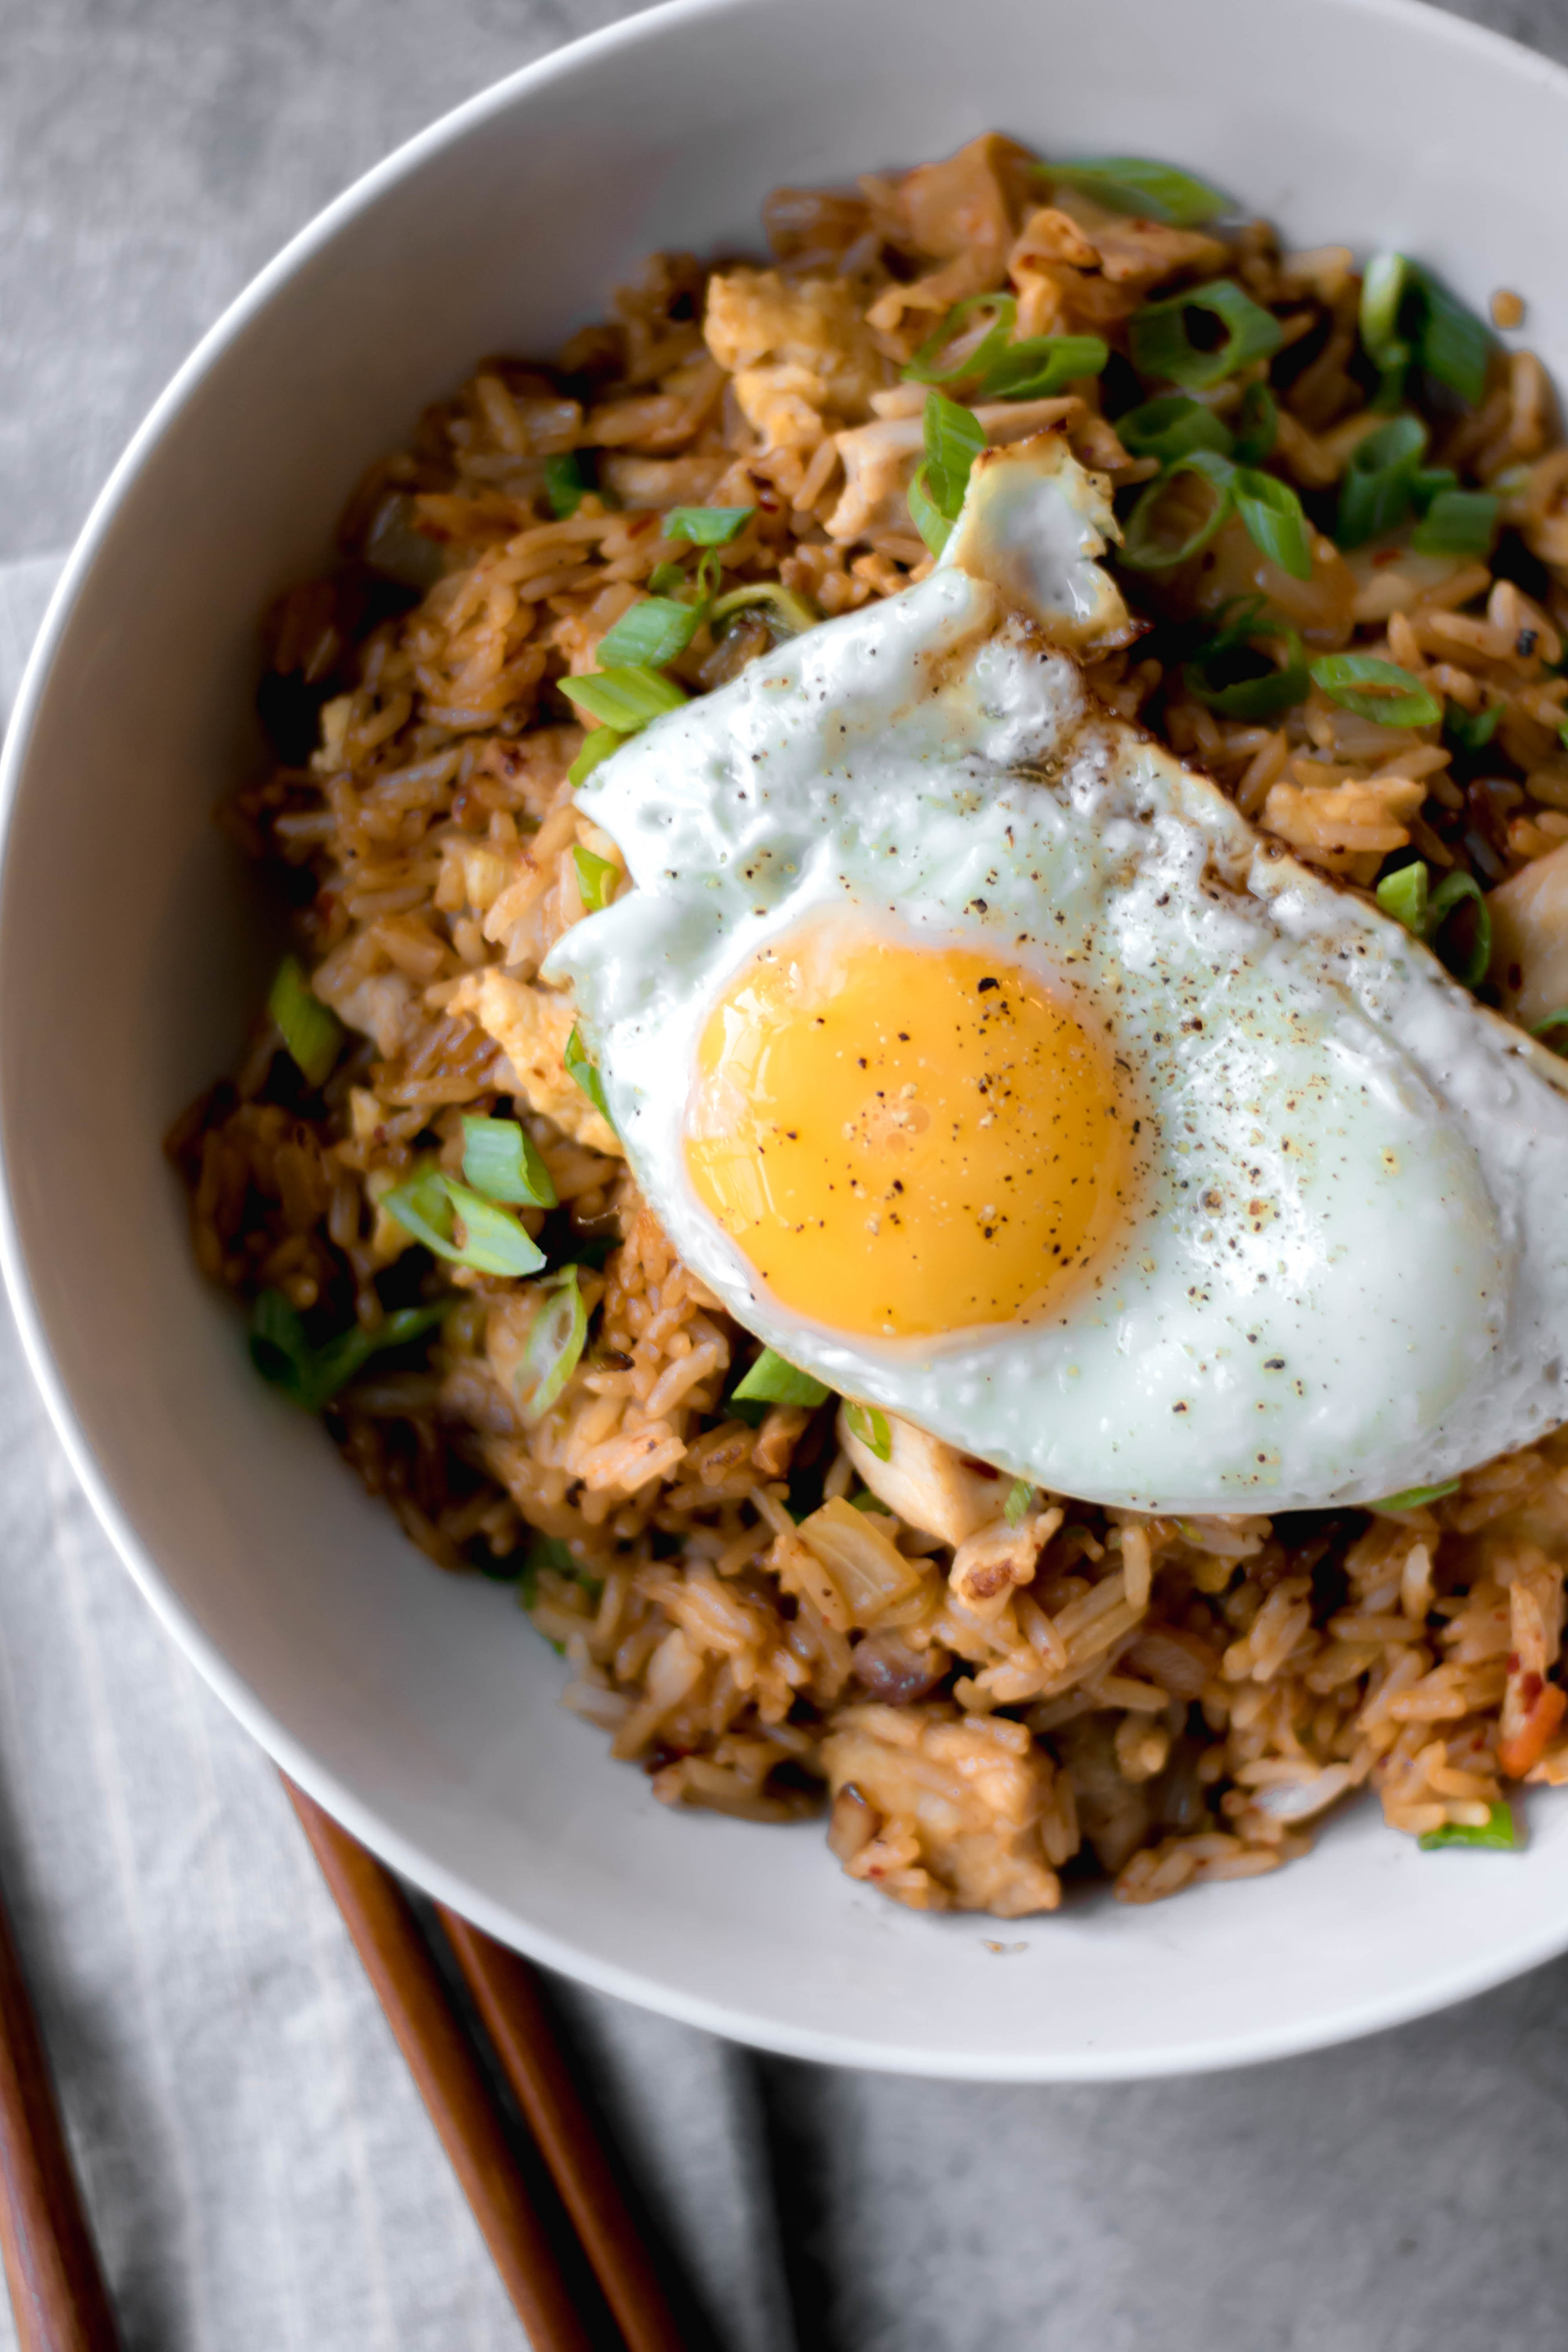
865	1501
1407	895
1133	184
1162	343
648	635
1265	696
312	1375
1403	895
1555	1022
502	1160
1256	425
707	526
1458	522
1472	731
1454	891
1498	1832
1412	1498
1275	522
927	517
1142	546
772	1380
1172	427
432	1206
1379	485
565	481
585	1073
934	362
311	1030
1041	365
1376	690
1020	1497
1406	314
664	579
624	699
864	1422
790	612
954	438
596	878
597	746
554	1345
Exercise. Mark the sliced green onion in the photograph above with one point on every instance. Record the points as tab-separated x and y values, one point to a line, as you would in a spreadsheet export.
1411	1499
312	1375
1428	482
553	1348
1376	690
1141	547
596	878
1020	1496
790	612
1456	891
1406	313
1275	522
1472	731
1383	289
707	526
430	1205
1163	343
1403	895
865	1501
1544	1030
1459	523
1172	427
1499	1832
1454	345
565	483
932	526
309	1029
1378	488
653	633
666	579
1254	698
934	363
626	699
597	746
1256	425
1133	184
502	1160
1039	366
774	1381
954	438
864	1421
585	1075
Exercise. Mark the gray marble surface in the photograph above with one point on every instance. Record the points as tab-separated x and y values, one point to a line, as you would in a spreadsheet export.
1401	2193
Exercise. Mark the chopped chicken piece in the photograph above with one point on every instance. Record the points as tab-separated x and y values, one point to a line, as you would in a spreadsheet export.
968	1813
531	1026
879	458
799	352
928	1485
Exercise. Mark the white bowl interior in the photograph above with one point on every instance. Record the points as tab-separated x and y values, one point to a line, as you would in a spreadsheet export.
421	1709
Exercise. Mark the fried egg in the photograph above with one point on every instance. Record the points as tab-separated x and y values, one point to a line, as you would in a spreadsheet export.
988	1065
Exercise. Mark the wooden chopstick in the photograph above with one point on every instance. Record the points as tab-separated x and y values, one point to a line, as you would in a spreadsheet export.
506	1993
450	2079
57	2293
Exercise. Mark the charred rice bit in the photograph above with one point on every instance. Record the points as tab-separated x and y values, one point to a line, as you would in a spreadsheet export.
978	1705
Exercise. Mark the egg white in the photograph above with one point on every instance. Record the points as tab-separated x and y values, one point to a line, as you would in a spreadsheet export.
1347	1273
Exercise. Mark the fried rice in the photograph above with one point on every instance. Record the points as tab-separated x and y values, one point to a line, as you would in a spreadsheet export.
1088	1694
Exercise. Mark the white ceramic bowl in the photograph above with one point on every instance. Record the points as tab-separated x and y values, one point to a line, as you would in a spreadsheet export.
420	1708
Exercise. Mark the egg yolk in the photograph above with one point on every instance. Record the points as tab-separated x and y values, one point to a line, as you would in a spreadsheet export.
904	1141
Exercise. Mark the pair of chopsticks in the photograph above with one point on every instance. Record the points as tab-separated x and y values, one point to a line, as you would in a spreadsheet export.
57	2293
450	2080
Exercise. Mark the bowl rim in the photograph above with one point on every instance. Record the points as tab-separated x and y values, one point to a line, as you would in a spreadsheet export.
422	1867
